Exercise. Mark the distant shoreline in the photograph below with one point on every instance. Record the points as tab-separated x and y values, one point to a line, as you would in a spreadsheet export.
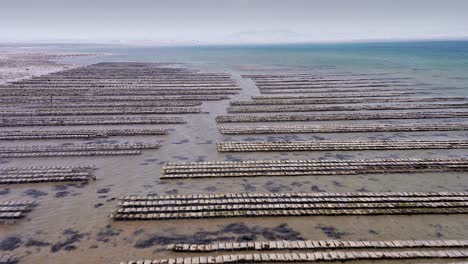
20	64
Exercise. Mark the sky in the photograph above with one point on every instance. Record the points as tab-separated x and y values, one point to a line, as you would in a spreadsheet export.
230	22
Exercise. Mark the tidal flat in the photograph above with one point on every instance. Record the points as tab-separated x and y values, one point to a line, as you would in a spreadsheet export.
78	112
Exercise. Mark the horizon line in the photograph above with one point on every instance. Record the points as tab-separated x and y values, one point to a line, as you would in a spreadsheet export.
200	44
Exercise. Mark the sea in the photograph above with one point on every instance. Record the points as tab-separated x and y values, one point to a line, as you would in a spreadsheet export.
443	63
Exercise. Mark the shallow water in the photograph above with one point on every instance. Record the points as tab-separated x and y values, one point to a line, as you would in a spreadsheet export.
71	223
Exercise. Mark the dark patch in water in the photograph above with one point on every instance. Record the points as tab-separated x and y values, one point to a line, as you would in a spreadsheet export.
183	141
438	230
317	138
180	157
72	238
281	232
331	231
343	156
138	232
296	184
60	187
252	139
36	243
5	191
10	243
172	192
373	232
338	184
61	194
232	232
232	158
206	142
201	158
34	193
103	190
275	187
211	188
363	189
98	205
315	188
298	155
440	135
106	233
248	187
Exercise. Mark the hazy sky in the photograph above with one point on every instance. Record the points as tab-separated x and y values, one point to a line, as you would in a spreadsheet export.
223	21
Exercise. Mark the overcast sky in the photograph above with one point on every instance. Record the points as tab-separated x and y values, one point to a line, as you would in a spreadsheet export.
233	21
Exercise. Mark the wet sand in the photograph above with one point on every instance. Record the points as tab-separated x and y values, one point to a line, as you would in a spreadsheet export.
17	64
71	223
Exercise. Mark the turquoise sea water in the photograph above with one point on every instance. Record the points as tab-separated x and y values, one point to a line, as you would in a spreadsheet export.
443	63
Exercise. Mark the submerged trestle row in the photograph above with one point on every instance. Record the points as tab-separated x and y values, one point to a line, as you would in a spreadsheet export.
312	108
344	128
339	116
72	134
92	121
74	150
340	145
288	204
354	90
309	167
316	244
334	96
103	104
11	210
344	101
14	175
129	111
106	100
8	259
316	256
